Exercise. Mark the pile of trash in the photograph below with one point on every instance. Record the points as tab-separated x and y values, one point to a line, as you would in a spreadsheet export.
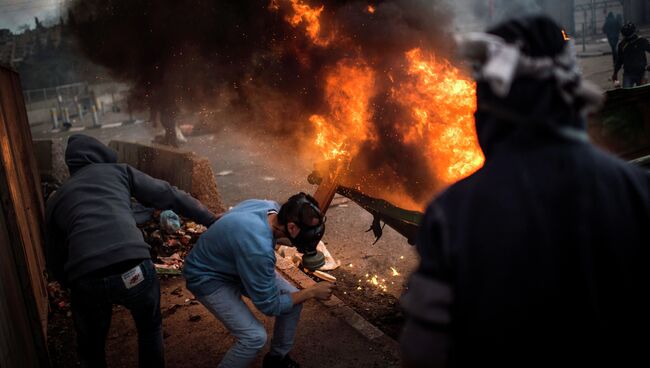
59	298
171	238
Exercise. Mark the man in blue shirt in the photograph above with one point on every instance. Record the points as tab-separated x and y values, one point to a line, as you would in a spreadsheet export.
236	257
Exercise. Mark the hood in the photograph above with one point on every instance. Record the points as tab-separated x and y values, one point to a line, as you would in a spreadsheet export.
83	150
532	105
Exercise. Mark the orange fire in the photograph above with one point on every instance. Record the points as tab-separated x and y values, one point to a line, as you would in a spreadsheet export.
442	102
565	36
348	91
439	100
307	16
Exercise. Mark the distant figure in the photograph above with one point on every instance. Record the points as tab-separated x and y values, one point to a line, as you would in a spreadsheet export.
631	57
540	258
611	28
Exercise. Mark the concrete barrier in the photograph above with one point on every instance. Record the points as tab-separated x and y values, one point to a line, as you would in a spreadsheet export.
49	160
185	170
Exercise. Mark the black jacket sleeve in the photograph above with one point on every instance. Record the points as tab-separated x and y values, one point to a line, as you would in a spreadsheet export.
56	250
156	193
427	302
619	57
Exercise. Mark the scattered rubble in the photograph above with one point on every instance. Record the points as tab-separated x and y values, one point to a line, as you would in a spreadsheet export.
178	291
292	254
168	252
168	249
59	298
170	310
339	201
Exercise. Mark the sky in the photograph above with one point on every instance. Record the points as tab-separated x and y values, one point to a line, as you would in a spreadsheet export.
15	13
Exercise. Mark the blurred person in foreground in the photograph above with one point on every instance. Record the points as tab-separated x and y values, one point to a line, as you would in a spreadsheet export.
631	57
236	257
94	246
540	258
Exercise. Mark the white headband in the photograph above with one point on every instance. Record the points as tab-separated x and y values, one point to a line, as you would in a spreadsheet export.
499	63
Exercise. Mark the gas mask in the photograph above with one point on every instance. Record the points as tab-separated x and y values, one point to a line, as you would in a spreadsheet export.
309	236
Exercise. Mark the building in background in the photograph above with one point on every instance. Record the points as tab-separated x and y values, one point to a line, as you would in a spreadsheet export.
562	11
18	47
7	47
637	11
590	15
475	15
575	16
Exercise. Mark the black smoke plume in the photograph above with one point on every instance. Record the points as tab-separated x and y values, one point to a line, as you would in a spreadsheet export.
193	54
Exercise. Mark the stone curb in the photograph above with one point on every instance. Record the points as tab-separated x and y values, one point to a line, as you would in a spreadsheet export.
340	310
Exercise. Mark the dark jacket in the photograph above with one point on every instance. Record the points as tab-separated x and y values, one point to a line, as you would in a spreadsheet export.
612	27
631	55
89	222
540	258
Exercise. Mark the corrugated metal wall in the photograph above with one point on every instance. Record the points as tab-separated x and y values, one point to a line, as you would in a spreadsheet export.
23	294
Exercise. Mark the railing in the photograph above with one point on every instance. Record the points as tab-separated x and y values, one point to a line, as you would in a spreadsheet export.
66	91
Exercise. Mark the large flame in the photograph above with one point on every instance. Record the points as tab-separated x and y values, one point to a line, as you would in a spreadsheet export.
306	16
439	100
443	104
348	90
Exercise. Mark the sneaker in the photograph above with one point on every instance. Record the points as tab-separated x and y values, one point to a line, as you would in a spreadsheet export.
274	361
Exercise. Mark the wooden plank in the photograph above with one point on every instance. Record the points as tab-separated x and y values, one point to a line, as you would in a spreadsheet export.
31	197
18	346
332	172
22	253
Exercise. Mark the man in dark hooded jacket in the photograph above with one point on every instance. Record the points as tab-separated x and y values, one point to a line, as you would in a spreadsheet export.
631	57
95	248
540	258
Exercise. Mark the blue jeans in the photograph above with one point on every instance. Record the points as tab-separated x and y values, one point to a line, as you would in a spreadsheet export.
92	300
229	308
630	80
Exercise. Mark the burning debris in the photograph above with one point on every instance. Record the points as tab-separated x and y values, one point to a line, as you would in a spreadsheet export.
367	82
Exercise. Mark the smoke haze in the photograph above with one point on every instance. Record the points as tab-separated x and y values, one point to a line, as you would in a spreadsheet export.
250	56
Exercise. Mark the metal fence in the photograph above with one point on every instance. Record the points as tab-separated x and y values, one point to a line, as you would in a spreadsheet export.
67	91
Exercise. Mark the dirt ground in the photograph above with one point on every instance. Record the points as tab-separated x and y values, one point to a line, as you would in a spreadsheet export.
259	170
194	338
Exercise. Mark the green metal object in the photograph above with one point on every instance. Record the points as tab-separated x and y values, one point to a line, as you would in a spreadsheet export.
403	221
314	261
622	126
